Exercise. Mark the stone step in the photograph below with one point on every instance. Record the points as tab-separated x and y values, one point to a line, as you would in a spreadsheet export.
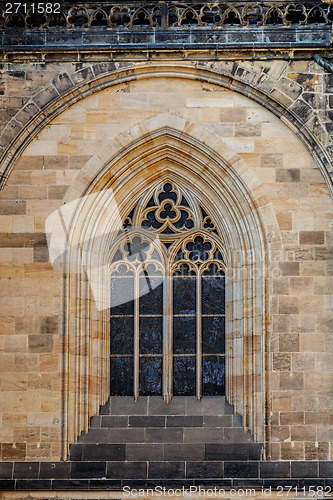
145	452
123	421
165	435
154	405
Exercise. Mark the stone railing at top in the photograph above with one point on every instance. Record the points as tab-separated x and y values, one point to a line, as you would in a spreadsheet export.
165	15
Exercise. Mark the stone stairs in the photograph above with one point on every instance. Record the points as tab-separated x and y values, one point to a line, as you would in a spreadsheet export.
185	431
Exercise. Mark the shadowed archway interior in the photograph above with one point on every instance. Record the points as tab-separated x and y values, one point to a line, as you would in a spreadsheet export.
143	168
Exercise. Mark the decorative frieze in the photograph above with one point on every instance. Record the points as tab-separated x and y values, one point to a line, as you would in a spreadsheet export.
165	15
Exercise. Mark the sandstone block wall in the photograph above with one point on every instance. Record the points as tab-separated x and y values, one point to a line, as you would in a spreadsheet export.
300	278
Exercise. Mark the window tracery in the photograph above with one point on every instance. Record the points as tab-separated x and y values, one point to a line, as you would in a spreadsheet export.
167	299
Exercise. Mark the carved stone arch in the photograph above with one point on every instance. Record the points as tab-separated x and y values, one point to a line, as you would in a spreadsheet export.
119	176
253	82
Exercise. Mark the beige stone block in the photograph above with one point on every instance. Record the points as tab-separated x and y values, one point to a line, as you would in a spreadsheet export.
44	177
19	178
319	190
41	207
325	433
323	285
50	434
313	268
284	220
22	223
303	361
91	148
280	433
311	303
317	451
56	192
110	131
301	285
23	255
10	419
41	148
7	362
26	401
124	115
212	101
303	433
10	193
11	271
50	403
289	342
314	380
26	362
56	163
276	129
67	148
108	99
83	131
94	116
312	342
66	177
49	363
306	400
75	114
288	304
240	144
39	451
55	133
281	401
26	433
259	114
33	192
275	144
292	381
13	382
16	343
6	223
29	163
6	255
292	418
317	417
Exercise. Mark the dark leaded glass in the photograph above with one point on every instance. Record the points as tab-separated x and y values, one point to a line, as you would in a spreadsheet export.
122	376
213	335
151	334
122	335
150	376
213	290
122	295
213	375
184	297
151	296
184	335
184	375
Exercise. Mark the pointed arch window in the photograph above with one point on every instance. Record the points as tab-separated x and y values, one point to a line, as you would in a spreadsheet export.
167	315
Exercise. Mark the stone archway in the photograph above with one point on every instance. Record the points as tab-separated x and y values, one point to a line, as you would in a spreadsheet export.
209	168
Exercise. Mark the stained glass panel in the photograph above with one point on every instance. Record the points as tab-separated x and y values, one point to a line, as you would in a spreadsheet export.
184	335
213	375
213	335
122	337
184	376
150	376
213	291
122	376
184	298
151	333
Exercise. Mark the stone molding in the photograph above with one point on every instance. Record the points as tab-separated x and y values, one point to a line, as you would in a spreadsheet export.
167	15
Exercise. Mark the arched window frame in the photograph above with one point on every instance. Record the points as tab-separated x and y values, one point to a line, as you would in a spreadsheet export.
203	227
